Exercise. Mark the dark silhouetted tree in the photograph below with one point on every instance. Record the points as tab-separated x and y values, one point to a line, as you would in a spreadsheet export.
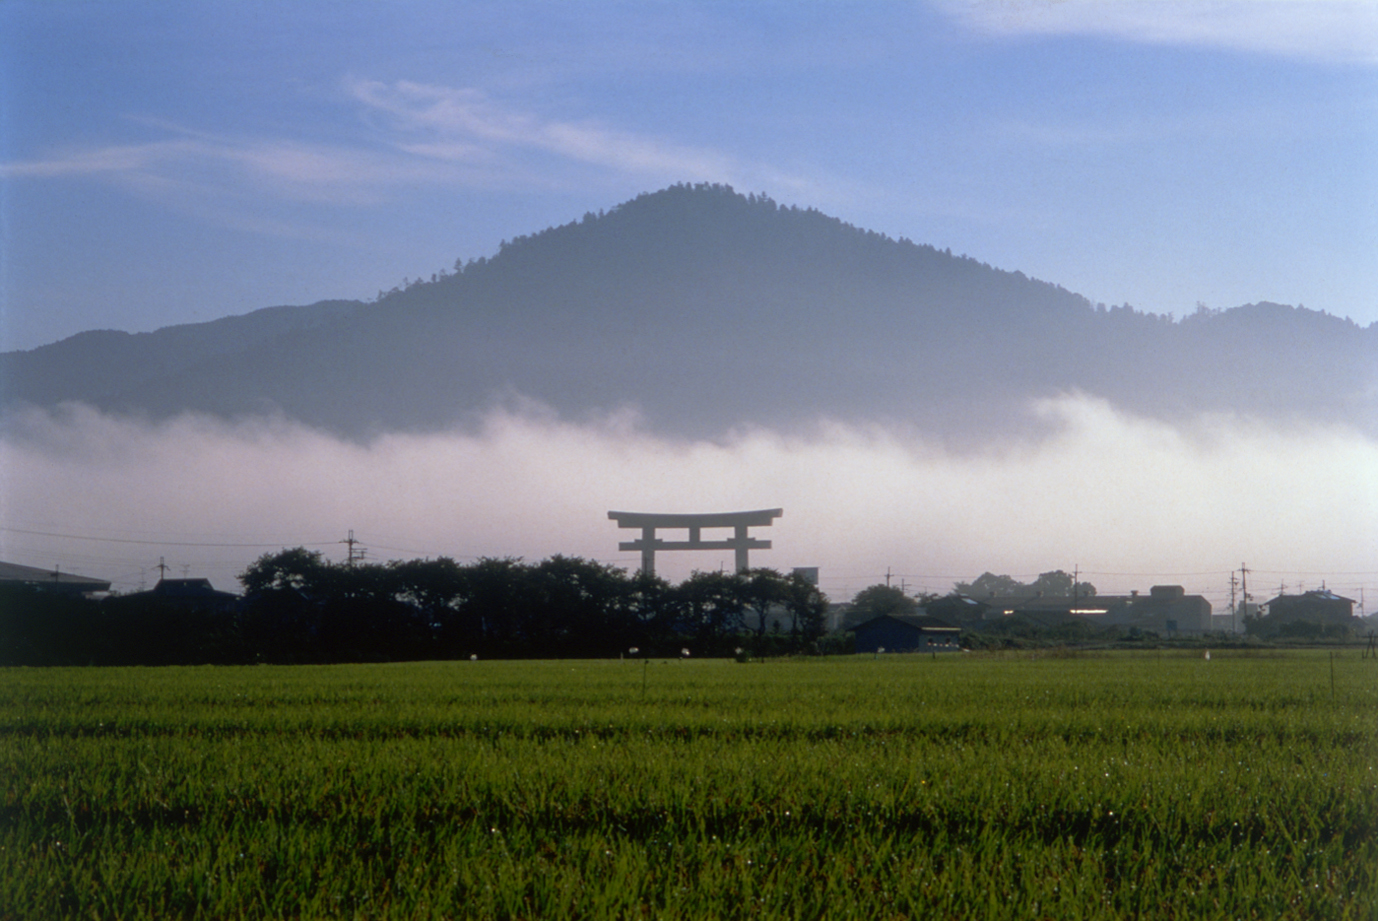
713	606
763	593
988	584
297	568
1055	584
878	600
807	608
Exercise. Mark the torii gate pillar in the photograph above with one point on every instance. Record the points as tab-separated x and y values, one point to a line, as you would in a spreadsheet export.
740	541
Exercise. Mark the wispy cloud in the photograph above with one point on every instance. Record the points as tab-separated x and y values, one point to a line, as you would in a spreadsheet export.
428	130
113	159
292	169
1324	30
464	123
416	136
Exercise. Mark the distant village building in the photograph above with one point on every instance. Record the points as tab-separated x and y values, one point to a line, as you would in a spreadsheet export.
1322	607
957	609
187	593
1165	609
50	580
904	633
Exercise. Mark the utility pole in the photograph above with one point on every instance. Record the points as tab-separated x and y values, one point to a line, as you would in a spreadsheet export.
162	569
1244	585
1076	574
1234	583
351	558
887	576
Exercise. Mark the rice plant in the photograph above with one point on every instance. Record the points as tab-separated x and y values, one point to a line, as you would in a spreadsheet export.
1151	785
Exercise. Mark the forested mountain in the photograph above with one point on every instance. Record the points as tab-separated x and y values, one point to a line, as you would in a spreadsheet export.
707	309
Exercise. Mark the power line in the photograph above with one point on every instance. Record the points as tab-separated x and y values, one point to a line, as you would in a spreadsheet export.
1313	572
155	543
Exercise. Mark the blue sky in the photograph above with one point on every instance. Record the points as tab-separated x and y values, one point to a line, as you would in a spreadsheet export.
176	162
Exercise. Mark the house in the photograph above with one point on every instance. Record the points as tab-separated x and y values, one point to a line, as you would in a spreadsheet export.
905	633
1048	610
1032	610
1322	607
1165	609
187	593
957	609
50	580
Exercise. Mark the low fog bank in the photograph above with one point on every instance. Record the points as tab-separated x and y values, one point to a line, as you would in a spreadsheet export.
1131	502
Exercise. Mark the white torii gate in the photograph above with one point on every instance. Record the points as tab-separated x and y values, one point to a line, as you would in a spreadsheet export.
740	541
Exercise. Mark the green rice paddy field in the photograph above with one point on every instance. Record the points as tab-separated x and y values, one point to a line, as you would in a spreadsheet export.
1154	785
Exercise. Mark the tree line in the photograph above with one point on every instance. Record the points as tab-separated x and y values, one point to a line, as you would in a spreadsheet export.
299	607
1055	584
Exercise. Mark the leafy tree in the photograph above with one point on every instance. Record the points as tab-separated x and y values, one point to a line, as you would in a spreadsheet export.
303	608
437	588
761	590
581	603
657	610
988	583
807	607
1055	584
498	599
297	568
712	605
434	586
878	600
1059	584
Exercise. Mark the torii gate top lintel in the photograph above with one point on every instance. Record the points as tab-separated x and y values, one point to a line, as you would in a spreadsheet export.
740	542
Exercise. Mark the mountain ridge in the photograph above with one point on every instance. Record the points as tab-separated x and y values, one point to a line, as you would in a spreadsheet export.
706	310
